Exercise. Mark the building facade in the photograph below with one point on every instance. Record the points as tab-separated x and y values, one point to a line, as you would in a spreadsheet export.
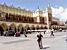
27	19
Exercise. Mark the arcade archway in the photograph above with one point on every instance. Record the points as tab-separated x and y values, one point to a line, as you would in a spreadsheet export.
13	26
32	27
4	26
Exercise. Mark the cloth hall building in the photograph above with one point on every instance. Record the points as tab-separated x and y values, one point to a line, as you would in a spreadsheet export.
26	19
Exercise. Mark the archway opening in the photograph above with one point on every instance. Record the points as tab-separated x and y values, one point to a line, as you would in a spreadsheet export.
4	26
32	27
45	27
41	27
13	27
37	27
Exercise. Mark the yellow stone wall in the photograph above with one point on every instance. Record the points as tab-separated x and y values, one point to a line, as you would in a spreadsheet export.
14	10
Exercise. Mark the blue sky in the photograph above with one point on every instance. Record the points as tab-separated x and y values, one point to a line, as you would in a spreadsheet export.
33	4
59	7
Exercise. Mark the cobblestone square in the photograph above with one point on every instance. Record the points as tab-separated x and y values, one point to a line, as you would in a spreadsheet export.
30	43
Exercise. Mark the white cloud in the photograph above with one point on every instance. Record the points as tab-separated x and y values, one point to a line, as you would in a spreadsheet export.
60	13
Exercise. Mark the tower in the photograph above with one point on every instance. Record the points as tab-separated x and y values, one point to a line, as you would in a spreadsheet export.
49	13
49	16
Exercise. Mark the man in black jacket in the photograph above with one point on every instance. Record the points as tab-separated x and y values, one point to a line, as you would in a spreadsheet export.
40	40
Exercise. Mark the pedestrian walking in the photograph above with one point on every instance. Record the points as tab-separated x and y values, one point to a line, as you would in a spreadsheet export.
52	32
39	40
44	32
24	32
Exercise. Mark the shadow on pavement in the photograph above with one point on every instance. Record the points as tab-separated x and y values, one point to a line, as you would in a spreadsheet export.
45	47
